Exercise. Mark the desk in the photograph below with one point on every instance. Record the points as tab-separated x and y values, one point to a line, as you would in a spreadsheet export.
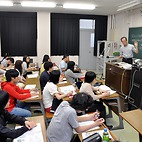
40	119
119	105
38	99
66	84
134	118
115	96
101	128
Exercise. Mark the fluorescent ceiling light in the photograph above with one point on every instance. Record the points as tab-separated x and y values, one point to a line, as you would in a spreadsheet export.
128	5
6	3
79	6
38	4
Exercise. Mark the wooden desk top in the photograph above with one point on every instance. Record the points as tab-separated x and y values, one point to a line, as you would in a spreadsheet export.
34	81
101	128
134	118
40	119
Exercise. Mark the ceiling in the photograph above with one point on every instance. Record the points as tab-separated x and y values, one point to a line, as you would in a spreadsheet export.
103	7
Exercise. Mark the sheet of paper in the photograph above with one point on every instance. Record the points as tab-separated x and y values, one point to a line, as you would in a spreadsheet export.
35	75
66	89
34	97
87	134
88	123
34	135
63	82
30	86
106	88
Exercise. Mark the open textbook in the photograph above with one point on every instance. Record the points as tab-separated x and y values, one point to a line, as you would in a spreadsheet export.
66	89
30	86
34	135
106	88
85	123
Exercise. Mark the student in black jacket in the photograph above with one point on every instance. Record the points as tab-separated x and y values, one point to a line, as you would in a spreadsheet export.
5	117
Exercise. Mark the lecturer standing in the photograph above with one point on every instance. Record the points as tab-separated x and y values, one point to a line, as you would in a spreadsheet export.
126	51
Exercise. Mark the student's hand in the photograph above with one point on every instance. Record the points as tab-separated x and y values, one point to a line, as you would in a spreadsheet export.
69	93
106	93
101	90
99	121
30	124
34	94
34	89
61	78
94	116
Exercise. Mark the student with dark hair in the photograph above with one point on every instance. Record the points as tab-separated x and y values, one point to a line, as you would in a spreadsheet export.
44	77
19	68
63	63
46	58
5	117
65	119
15	106
87	86
50	92
10	63
26	65
69	72
3	62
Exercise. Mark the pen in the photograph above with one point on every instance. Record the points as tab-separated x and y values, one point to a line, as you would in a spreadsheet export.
97	114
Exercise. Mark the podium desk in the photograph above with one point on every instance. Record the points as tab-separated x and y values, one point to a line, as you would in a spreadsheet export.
118	78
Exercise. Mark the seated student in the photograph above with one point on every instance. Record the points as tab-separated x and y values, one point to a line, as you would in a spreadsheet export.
46	58
26	65
65	119
69	72
10	63
15	106
51	93
44	77
5	117
19	68
87	86
63	63
4	62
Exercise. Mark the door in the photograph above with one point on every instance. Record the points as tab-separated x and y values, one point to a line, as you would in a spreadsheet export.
86	50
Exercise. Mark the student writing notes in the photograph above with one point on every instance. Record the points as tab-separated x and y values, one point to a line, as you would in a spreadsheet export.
65	119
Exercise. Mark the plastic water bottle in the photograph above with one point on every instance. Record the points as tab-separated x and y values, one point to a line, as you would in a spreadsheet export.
105	135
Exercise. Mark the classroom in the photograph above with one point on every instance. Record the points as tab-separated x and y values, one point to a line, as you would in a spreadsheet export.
70	70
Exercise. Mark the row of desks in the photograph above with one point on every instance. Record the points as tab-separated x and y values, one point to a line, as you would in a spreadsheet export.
41	119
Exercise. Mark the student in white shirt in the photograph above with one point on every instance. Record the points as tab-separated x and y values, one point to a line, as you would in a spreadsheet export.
63	63
87	87
51	96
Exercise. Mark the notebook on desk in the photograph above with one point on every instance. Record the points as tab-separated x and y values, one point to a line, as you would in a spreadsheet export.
34	135
106	88
30	86
66	89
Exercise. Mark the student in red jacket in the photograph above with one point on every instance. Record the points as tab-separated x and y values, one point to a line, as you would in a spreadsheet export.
16	94
5	117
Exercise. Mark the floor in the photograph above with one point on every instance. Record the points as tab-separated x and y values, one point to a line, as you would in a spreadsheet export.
128	134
